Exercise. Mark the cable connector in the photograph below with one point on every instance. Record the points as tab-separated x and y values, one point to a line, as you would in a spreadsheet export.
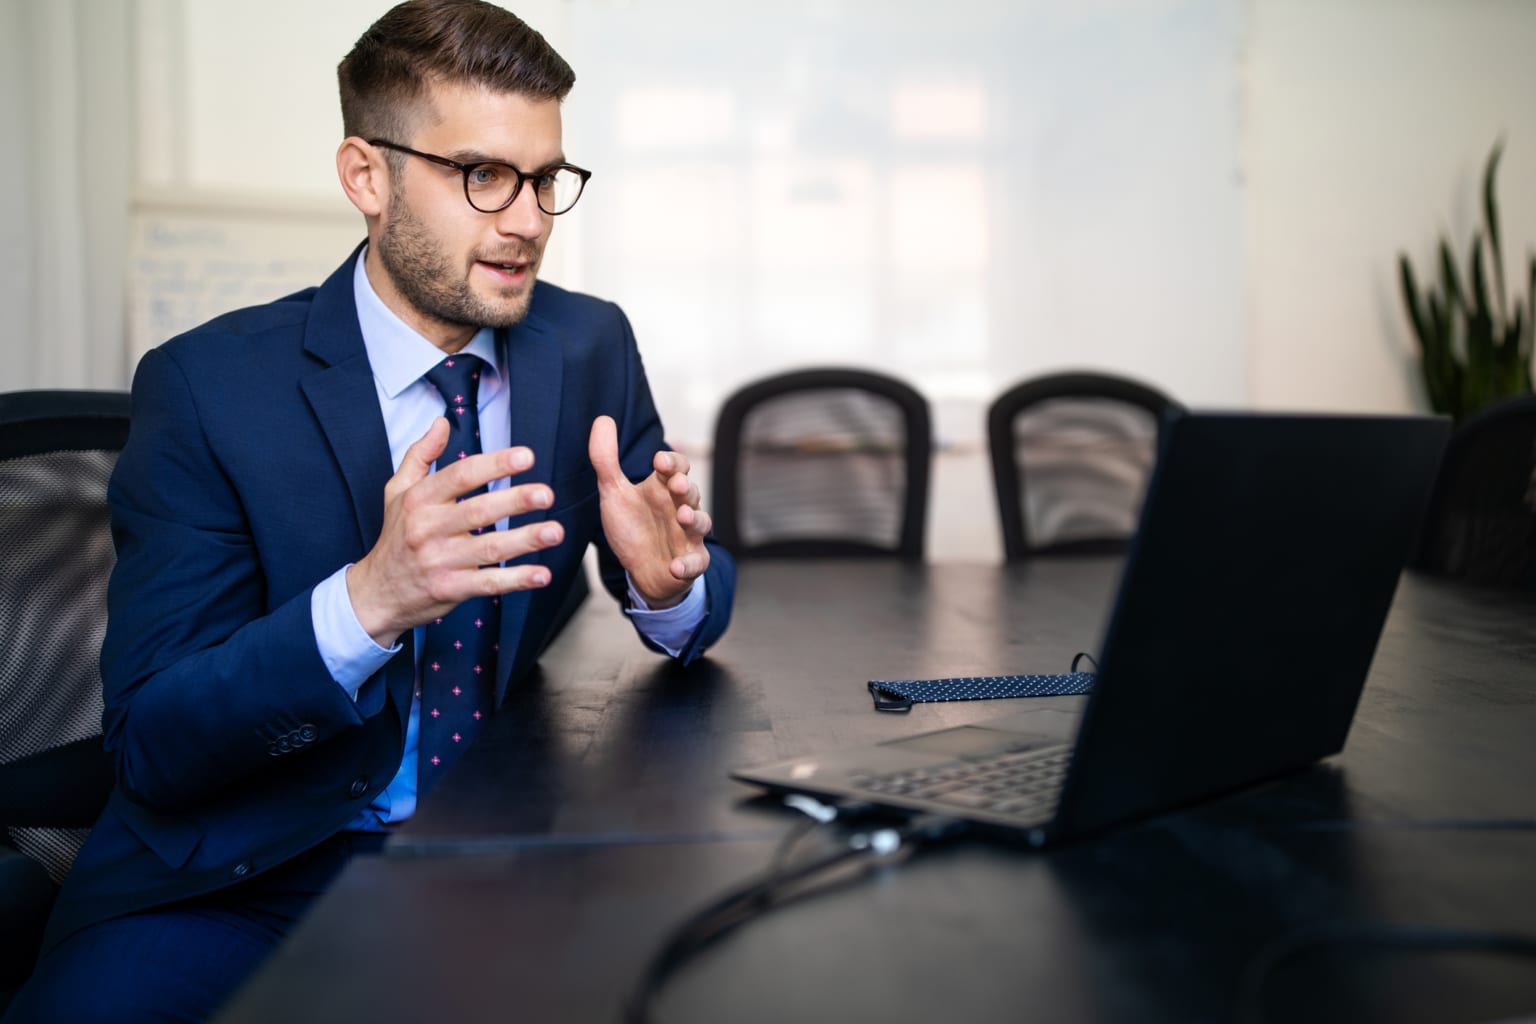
920	831
811	807
882	842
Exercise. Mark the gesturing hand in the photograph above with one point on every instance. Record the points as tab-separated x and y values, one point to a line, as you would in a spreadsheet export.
427	559
655	527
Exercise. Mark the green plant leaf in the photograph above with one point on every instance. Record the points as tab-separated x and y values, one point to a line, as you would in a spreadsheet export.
1442	375
1477	341
1478	304
1506	356
1491	216
1450	281
1527	344
1410	289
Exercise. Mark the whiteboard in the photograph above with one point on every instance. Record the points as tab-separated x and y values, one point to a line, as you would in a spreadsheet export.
192	260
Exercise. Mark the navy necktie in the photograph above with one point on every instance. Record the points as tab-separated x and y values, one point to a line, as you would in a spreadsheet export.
458	651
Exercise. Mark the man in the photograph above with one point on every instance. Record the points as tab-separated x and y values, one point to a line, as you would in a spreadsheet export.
308	621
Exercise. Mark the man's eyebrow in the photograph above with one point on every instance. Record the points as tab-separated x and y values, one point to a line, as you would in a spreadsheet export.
470	156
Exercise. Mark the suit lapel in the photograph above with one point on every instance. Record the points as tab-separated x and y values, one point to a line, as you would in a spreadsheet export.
536	365
346	405
345	401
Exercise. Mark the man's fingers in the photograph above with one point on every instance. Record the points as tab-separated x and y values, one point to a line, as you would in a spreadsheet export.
684	488
490	582
495	546
418	458
668	463
484	510
456	477
694	520
603	450
691	565
465	565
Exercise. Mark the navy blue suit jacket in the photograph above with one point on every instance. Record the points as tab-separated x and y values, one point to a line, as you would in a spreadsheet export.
255	467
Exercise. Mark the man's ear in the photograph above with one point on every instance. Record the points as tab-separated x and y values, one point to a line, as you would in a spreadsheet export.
364	176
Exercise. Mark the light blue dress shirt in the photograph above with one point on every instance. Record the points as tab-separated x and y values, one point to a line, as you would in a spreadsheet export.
399	357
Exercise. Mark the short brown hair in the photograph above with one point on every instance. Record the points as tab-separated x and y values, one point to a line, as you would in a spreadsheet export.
421	42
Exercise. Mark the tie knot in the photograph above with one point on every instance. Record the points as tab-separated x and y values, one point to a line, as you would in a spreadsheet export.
457	378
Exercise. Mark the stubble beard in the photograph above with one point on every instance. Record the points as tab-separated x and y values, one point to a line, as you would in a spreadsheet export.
425	276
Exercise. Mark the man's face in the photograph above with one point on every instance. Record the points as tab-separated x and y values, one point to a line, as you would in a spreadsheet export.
453	268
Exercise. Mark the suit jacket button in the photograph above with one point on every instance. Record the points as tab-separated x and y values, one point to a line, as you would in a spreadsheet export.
307	733
241	870
359	787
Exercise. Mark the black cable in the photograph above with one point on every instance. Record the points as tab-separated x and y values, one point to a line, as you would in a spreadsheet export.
817	815
717	918
773	888
1250	999
788	843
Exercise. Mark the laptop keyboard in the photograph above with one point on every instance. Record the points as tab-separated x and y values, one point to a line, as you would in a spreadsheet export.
1011	782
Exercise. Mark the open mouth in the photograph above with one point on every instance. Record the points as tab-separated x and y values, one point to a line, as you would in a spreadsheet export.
511	272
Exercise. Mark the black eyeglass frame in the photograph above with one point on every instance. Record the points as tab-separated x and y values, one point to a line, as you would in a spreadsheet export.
467	169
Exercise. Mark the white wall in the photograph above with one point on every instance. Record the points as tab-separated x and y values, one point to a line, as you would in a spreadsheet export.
962	200
1209	194
17	346
1367	126
67	128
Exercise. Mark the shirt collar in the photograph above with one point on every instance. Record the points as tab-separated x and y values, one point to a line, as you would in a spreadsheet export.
399	356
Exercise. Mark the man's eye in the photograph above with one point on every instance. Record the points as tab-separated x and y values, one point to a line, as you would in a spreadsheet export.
483	175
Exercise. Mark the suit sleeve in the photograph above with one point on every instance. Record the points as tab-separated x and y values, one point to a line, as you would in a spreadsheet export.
201	668
640	438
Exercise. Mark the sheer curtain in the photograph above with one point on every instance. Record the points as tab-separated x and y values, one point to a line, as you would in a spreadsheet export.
66	121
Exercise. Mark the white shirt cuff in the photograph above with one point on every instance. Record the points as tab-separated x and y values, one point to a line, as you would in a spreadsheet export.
345	646
668	628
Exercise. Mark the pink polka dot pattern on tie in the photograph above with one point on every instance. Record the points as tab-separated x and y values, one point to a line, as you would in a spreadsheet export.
460	647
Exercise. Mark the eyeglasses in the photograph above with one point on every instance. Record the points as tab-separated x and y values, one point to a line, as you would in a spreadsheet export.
491	187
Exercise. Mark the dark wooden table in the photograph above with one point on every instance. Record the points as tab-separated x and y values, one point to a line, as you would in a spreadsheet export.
595	812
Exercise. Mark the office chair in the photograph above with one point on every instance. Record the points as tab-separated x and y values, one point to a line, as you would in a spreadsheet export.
57	449
824	462
1071	456
1480	525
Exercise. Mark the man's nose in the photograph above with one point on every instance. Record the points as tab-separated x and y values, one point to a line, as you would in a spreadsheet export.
522	217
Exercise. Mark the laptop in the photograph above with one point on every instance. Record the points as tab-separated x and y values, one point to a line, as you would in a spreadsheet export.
1255	589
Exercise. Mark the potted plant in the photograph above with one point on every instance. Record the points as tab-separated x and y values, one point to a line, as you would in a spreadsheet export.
1475	342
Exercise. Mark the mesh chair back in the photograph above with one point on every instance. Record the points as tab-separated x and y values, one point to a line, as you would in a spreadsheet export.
1481	521
827	462
1071	457
57	449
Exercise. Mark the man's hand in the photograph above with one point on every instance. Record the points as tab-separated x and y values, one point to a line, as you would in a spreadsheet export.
427	559
655	527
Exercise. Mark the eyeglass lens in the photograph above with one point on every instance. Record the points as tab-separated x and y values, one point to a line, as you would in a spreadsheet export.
490	188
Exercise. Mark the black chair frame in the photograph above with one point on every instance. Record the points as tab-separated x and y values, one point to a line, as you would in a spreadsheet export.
1432	555
1008	476
36	423
727	455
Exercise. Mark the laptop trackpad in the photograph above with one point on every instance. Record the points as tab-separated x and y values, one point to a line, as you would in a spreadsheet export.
968	741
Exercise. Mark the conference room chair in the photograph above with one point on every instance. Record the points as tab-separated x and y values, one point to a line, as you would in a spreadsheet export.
57	449
1480	525
1071	455
823	462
